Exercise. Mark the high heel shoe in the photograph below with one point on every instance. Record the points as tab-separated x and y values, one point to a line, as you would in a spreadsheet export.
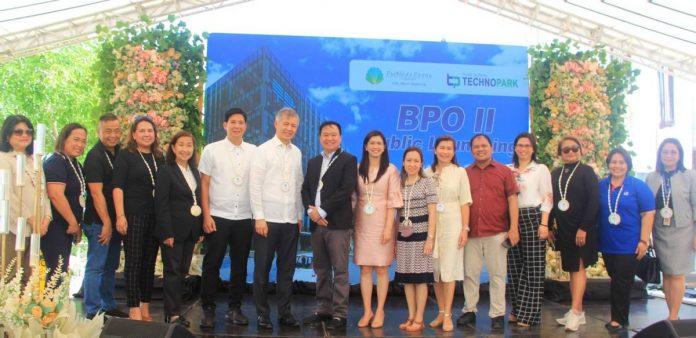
447	324
437	322
415	327
367	323
406	324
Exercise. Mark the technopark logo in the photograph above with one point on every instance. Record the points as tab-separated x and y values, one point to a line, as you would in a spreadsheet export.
374	75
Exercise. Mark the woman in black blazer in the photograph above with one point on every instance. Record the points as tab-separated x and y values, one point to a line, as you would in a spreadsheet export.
178	212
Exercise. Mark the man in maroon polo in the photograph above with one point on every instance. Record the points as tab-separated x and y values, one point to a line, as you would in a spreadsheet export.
494	228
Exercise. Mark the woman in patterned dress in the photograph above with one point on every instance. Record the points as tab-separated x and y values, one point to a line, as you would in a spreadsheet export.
378	197
414	243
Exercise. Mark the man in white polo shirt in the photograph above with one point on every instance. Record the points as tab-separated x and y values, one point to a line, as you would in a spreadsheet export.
227	220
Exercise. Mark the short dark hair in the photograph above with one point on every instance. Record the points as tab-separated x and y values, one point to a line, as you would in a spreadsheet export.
567	138
532	139
170	158
661	167
64	134
7	129
108	117
235	111
479	135
444	138
622	152
330	123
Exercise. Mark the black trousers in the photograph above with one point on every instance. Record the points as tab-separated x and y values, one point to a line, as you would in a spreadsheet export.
237	235
176	261
56	243
622	270
281	241
140	248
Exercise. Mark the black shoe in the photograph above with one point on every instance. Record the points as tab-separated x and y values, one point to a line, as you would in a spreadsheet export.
90	316
264	323
236	316
115	312
208	320
614	329
180	320
497	323
336	323
468	318
288	320
80	293
316	319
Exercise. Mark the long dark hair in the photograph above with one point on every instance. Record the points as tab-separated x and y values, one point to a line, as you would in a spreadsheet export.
439	140
532	139
364	167
64	134
132	146
661	167
404	175
170	158
8	127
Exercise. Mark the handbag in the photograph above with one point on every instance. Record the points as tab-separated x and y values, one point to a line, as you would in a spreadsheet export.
649	268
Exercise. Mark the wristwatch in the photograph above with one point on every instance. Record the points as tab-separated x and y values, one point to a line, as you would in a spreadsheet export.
466	228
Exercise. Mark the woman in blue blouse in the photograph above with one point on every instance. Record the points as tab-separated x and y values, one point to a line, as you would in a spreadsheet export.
625	221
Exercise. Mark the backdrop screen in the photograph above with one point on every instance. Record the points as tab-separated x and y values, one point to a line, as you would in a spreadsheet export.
412	91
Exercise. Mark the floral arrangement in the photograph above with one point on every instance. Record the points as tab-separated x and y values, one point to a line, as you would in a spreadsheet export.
147	82
39	309
554	270
152	68
579	106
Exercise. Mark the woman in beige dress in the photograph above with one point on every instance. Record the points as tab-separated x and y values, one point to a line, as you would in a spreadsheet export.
378	197
452	230
17	137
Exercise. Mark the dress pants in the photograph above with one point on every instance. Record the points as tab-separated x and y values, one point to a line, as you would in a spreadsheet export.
176	261
622	270
141	253
490	250
281	241
56	243
330	261
237	235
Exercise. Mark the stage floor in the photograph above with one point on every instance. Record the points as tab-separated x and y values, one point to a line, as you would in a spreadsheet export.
643	313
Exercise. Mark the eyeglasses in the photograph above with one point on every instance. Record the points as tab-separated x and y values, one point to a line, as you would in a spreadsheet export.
566	150
19	132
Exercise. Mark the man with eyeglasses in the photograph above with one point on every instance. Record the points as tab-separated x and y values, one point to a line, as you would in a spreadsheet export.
494	229
104	244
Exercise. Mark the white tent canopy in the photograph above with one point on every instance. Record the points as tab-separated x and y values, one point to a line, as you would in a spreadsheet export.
658	33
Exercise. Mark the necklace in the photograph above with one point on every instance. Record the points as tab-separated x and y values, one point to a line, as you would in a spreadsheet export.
152	177
563	204
407	225
195	208
369	191
80	178
321	177
614	217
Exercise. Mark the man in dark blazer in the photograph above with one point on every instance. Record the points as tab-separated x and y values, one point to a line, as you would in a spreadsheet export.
326	194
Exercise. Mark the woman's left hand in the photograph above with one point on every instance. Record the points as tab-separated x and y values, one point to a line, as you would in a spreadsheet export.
169	242
641	249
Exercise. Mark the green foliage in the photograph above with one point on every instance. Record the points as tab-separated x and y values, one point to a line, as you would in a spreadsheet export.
55	88
620	82
160	37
